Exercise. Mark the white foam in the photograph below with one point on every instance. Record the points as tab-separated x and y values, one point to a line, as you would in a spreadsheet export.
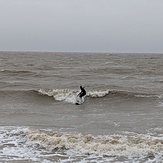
12	140
14	146
138	146
160	96
100	93
21	144
70	96
160	104
58	94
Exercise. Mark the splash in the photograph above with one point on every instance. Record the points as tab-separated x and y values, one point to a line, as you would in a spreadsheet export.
69	95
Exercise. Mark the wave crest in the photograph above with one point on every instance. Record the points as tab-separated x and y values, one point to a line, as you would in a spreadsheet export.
111	145
66	92
98	93
68	95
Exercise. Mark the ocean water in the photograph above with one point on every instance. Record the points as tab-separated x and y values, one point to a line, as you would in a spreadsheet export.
121	119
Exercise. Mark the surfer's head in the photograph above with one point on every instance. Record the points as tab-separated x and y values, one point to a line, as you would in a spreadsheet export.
81	87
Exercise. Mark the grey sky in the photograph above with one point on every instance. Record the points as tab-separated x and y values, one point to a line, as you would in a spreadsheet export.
82	25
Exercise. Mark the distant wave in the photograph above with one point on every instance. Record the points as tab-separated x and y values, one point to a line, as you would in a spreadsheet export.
17	72
14	92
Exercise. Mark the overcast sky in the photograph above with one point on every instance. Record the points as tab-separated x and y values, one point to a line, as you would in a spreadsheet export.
82	25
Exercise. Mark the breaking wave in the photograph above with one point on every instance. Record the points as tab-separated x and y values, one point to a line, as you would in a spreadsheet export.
20	143
69	95
137	145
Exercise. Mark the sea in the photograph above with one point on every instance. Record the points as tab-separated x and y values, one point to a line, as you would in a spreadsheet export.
120	121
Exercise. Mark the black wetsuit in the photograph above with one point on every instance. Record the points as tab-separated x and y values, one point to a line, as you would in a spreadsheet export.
82	93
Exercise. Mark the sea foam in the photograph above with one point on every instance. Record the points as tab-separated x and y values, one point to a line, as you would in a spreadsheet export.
135	146
22	144
69	95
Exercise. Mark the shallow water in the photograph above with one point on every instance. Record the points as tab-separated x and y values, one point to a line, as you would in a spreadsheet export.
120	120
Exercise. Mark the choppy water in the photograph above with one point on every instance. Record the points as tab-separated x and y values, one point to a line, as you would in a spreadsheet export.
120	120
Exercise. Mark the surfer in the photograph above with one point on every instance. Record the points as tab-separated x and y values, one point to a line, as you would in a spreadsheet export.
80	96
82	93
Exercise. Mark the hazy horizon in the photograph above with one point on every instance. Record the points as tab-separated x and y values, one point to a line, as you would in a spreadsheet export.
112	26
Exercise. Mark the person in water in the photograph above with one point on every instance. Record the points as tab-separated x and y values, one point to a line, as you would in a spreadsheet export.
80	96
82	93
